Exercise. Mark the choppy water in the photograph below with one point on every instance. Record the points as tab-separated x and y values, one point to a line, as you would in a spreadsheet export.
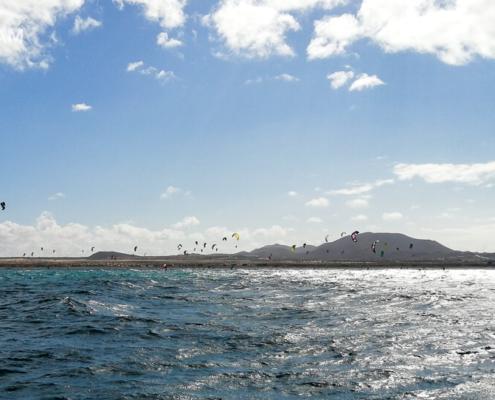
247	334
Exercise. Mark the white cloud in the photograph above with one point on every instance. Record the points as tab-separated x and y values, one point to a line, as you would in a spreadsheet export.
360	217
186	223
80	107
57	196
252	29
168	13
391	216
333	34
81	25
340	78
292	193
23	27
364	81
256	80
358	203
454	31
359	190
148	71
258	28
163	40
275	230
169	192
475	174
165	76
315	220
320	202
134	65
287	78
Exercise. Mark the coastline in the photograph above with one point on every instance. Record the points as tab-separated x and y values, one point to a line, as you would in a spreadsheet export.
178	263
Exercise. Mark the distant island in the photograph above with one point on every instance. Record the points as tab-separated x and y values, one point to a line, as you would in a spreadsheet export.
375	250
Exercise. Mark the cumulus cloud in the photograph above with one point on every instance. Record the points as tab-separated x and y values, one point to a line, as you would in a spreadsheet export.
333	34
340	78
252	29
454	31
320	202
81	25
364	81
168	13
23	29
358	190
72	238
166	42
186	223
287	78
80	107
391	216
475	174
169	192
258	28
292	193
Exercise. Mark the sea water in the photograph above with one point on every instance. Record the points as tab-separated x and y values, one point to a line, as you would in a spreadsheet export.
247	334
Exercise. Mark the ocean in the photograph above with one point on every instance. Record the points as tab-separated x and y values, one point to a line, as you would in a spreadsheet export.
247	334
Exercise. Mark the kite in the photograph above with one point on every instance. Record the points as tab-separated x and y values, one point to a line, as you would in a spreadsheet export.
3	205
373	245
304	245
212	247
224	239
382	253
411	246
236	235
293	249
385	245
135	248
354	236
92	248
326	238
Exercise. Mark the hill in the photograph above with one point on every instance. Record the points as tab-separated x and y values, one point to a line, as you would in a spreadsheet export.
395	246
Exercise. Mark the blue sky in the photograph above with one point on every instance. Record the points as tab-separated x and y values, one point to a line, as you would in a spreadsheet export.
159	122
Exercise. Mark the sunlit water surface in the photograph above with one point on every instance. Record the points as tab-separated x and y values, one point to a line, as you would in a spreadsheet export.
247	334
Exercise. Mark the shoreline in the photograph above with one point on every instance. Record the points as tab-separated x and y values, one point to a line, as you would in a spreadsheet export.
174	263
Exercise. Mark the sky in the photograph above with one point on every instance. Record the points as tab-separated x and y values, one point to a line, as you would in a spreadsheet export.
154	123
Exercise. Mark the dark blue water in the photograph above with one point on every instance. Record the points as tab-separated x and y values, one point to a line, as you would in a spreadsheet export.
247	334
